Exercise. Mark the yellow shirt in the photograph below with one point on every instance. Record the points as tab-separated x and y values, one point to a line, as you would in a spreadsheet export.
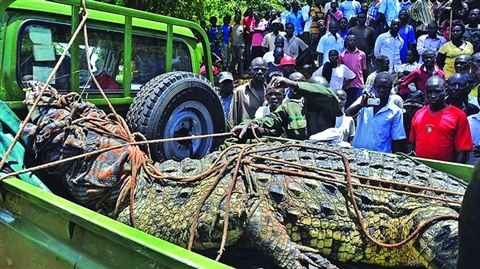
451	52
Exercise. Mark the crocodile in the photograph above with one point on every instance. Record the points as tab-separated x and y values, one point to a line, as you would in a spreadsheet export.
295	203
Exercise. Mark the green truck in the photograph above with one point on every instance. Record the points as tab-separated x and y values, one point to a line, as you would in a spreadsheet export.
130	52
148	66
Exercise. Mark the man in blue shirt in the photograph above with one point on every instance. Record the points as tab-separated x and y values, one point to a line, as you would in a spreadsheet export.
350	8
379	127
295	17
388	10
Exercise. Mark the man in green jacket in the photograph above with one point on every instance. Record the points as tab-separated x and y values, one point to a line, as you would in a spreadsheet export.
314	111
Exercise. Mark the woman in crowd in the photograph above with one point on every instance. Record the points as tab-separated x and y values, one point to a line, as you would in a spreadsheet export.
453	48
336	74
257	27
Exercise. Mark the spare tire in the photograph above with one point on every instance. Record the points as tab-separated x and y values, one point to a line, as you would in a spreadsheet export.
178	104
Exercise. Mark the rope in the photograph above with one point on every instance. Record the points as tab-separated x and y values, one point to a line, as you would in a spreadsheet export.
88	154
45	86
348	175
139	159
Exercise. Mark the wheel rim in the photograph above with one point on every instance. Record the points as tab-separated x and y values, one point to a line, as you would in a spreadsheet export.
190	118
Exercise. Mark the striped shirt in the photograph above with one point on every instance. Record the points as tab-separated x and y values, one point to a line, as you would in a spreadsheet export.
372	13
421	11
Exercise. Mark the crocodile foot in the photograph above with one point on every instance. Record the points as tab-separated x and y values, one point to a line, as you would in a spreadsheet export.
270	236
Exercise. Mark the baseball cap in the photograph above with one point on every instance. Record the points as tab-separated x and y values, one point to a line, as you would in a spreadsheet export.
224	76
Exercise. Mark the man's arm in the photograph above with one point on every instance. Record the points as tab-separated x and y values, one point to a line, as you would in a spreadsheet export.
353	109
320	59
378	46
405	81
304	52
411	148
320	51
383	20
348	81
265	45
399	138
463	139
441	60
461	156
420	45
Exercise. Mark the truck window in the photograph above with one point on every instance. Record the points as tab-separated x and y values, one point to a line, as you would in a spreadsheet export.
148	59
42	44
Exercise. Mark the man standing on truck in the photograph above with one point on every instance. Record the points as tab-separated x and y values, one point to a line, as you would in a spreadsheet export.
315	110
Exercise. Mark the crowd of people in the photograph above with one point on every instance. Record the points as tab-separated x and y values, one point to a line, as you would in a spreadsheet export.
390	75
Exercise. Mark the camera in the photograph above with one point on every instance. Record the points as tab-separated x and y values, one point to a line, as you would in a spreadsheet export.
371	101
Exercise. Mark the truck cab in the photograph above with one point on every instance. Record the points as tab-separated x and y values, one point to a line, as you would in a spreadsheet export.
127	48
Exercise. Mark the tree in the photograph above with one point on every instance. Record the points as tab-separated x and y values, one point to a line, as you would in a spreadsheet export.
197	10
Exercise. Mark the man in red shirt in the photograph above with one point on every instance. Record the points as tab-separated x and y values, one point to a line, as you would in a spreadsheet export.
440	131
421	75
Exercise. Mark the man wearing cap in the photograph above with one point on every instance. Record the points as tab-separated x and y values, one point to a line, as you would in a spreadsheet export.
226	90
297	118
270	40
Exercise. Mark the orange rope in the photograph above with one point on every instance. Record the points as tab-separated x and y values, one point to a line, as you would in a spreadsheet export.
45	86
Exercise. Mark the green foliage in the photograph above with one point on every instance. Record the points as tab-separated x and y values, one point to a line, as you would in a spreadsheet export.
197	10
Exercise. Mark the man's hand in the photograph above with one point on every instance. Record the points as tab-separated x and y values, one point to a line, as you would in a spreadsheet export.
365	96
239	131
282	82
246	131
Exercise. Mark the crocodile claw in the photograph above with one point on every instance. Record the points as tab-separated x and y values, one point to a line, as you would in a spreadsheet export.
315	260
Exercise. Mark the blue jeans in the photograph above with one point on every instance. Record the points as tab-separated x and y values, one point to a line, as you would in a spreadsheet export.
352	95
226	56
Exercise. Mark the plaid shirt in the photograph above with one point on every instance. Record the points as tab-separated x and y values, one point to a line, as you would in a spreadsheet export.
372	13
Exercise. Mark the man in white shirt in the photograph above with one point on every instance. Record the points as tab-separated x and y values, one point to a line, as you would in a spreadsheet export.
279	43
331	40
432	40
268	42
389	44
